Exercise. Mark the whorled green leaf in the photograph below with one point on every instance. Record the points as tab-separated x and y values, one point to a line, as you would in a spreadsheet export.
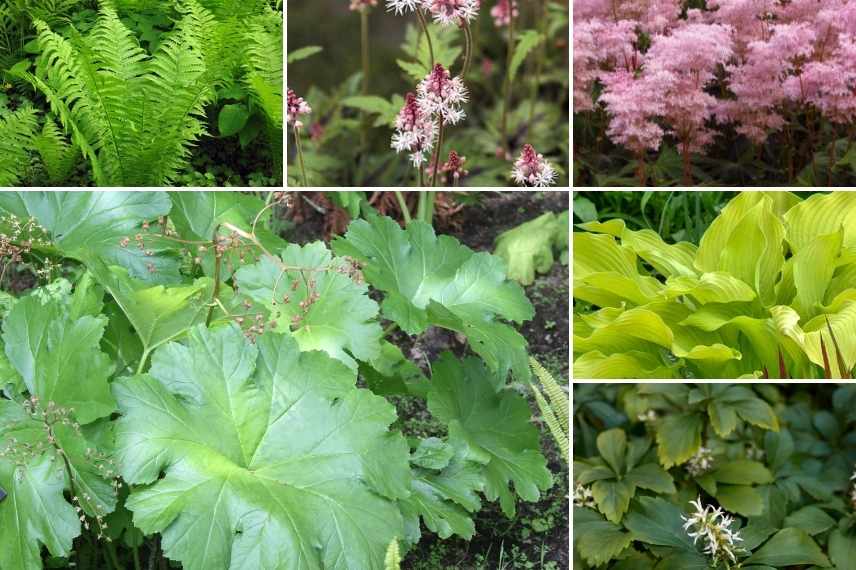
272	458
431	280
92	225
496	424
789	547
598	541
318	299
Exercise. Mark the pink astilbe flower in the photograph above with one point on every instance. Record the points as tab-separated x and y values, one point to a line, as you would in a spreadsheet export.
503	11
442	95
360	4
829	85
653	16
415	131
447	12
600	47
532	169
758	81
633	104
296	107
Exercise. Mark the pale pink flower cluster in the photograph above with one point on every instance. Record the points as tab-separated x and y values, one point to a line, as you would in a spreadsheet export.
296	107
750	65
503	11
532	169
444	12
438	98
415	131
442	95
360	4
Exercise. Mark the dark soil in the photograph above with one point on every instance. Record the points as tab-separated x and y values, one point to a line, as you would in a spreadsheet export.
537	537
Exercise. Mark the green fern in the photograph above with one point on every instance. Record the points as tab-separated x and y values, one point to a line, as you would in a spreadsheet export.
264	77
392	560
555	412
17	129
134	116
57	155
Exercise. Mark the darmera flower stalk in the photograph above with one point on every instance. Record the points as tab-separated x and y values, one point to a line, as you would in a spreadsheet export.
295	107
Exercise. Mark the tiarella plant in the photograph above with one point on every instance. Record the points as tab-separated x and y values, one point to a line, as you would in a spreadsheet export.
770	291
776	492
193	379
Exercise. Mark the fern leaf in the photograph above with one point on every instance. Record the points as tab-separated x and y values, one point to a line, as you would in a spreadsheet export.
57	155
17	129
558	396
392	560
555	428
264	67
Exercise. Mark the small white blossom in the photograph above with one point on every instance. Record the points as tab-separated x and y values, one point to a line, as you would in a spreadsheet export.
455	12
532	169
402	6
583	497
713	526
700	463
415	131
648	416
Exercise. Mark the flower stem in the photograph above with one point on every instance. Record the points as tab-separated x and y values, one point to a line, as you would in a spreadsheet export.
421	175
402	204
437	156
425	211
421	17
506	91
364	26
218	262
468	35
300	156
539	64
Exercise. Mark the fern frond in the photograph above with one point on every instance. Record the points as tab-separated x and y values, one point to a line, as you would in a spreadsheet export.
17	129
558	396
392	560
264	67
555	412
57	155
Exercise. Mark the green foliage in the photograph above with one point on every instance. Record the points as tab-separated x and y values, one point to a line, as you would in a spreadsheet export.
152	399
528	248
554	412
17	130
768	290
794	472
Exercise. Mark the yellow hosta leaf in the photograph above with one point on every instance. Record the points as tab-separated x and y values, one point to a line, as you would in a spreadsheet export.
822	214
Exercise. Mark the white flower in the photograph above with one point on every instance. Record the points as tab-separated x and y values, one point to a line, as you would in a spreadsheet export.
532	169
447	12
441	94
700	463
713	526
415	131
583	497
402	6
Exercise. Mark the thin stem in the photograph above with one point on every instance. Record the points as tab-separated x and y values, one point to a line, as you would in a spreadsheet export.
506	90
539	64
437	156
468	36
300	156
364	27
142	363
218	262
114	559
136	550
389	329
421	17
425	212
402	204
421	175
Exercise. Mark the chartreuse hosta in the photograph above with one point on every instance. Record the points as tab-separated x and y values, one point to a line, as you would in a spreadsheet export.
195	376
769	291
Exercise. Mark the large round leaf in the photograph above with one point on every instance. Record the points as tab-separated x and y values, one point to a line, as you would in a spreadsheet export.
272	458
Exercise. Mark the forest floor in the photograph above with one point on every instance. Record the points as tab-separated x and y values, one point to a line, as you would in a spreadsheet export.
537	538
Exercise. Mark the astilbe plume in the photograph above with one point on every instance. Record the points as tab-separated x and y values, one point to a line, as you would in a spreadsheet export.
442	95
296	107
532	169
749	64
503	11
415	131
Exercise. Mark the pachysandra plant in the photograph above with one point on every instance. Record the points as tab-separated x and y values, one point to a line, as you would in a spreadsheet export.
776	491
230	421
770	291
